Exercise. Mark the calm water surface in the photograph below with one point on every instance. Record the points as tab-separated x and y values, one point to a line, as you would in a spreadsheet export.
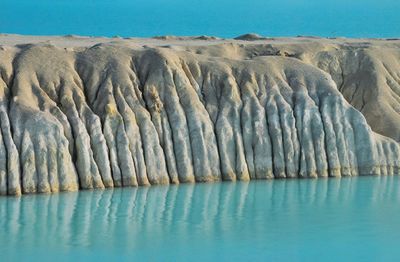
226	18
326	219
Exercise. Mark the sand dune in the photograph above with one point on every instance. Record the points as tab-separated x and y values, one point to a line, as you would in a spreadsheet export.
82	112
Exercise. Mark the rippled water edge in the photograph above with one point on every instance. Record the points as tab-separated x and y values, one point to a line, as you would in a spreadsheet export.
338	218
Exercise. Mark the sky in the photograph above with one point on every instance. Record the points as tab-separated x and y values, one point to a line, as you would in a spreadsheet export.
351	18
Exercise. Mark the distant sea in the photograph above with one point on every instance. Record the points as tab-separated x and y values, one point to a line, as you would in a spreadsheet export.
225	18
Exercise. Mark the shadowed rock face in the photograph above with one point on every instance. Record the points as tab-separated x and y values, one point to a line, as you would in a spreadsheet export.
120	114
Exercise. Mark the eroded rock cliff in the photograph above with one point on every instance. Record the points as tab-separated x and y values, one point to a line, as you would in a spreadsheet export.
94	113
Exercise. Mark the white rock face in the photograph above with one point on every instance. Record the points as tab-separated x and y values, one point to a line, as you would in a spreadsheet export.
81	116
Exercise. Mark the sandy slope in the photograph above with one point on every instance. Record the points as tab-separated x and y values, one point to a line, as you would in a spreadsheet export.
81	112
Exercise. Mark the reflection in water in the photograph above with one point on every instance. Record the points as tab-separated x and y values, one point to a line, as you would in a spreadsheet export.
282	219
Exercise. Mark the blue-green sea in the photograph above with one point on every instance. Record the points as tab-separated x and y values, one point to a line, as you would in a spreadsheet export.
348	219
224	18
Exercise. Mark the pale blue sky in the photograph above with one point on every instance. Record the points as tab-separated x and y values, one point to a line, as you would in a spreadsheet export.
356	18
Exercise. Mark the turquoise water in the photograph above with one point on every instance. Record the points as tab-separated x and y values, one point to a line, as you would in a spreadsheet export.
226	18
349	219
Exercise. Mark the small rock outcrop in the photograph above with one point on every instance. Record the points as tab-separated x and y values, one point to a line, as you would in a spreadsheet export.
249	37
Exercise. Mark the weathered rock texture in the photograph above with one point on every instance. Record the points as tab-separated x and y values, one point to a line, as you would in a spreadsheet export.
82	113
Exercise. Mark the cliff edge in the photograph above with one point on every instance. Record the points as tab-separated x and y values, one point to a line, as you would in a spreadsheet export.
82	112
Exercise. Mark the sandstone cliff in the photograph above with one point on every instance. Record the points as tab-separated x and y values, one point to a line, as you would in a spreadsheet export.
81	113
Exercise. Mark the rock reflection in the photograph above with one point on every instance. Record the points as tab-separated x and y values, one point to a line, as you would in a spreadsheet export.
130	221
